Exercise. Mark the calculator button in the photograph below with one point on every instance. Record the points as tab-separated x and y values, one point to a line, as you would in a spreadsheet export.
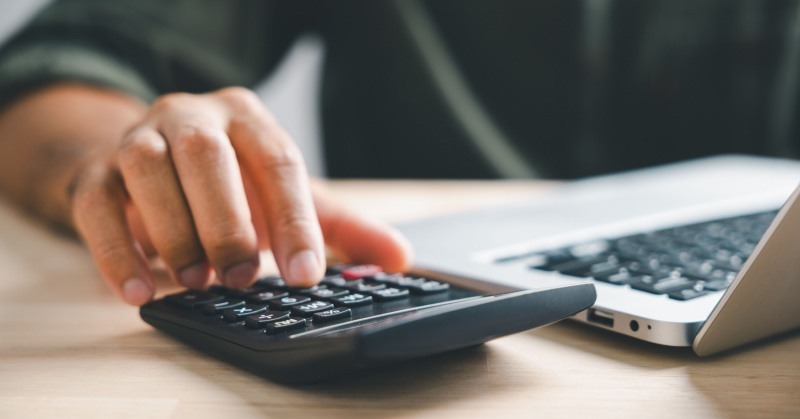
192	299
360	271
336	281
334	270
428	287
270	281
259	321
291	323
364	286
353	300
398	280
289	301
389	294
307	291
243	292
330	293
239	313
332	315
266	296
218	289
306	310
219	306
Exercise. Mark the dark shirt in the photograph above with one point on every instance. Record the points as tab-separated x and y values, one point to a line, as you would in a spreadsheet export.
426	89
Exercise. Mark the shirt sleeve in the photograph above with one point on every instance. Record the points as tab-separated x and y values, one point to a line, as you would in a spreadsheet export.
150	47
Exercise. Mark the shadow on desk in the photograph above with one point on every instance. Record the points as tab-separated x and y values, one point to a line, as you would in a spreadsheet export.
741	383
400	389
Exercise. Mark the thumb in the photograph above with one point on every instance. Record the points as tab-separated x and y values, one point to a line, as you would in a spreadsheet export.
357	238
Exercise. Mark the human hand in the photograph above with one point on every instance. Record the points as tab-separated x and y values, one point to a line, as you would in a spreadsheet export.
205	181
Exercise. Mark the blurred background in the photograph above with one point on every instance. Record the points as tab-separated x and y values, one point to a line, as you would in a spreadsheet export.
293	85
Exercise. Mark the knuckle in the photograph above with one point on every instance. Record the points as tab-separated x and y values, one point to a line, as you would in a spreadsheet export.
171	102
282	159
296	221
229	242
241	100
179	251
138	149
112	249
194	141
90	188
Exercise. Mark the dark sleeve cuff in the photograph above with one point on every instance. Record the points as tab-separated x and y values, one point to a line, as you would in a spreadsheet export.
31	67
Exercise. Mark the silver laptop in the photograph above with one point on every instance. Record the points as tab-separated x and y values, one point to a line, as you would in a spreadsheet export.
704	253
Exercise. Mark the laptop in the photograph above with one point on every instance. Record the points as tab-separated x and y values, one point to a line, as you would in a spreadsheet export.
704	253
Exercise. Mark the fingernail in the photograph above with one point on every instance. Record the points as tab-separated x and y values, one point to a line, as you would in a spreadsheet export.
195	276
240	275
303	267
136	292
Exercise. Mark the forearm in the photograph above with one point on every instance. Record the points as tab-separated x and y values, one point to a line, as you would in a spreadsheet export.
47	135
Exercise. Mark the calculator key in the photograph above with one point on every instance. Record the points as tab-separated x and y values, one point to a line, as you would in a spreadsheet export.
334	270
428	287
289	301
219	306
353	300
239	313
309	290
335	280
330	293
389	294
359	286
292	323
218	289
259	321
266	296
306	310
270	281
333	314
360	271
243	292
192	298
398	280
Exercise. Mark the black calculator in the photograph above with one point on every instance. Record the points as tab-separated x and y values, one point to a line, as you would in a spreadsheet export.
357	317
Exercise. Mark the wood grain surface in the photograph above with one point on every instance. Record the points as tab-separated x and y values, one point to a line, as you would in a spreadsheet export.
68	348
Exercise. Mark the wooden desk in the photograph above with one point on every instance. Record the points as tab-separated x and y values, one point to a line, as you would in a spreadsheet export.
69	348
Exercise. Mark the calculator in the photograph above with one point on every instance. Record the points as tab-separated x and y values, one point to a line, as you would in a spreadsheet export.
357	317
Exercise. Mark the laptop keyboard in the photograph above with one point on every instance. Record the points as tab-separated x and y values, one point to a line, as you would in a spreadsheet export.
683	262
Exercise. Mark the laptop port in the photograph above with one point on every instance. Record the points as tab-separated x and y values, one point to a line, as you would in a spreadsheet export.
600	317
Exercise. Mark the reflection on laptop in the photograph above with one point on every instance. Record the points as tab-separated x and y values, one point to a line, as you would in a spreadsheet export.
696	254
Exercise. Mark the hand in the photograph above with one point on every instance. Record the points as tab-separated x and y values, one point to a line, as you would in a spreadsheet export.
205	181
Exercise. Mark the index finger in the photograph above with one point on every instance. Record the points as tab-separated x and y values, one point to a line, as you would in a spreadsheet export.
281	181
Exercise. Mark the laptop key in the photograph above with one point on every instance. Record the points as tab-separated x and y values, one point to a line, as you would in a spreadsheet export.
579	267
687	294
653	285
550	259
718	285
620	276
